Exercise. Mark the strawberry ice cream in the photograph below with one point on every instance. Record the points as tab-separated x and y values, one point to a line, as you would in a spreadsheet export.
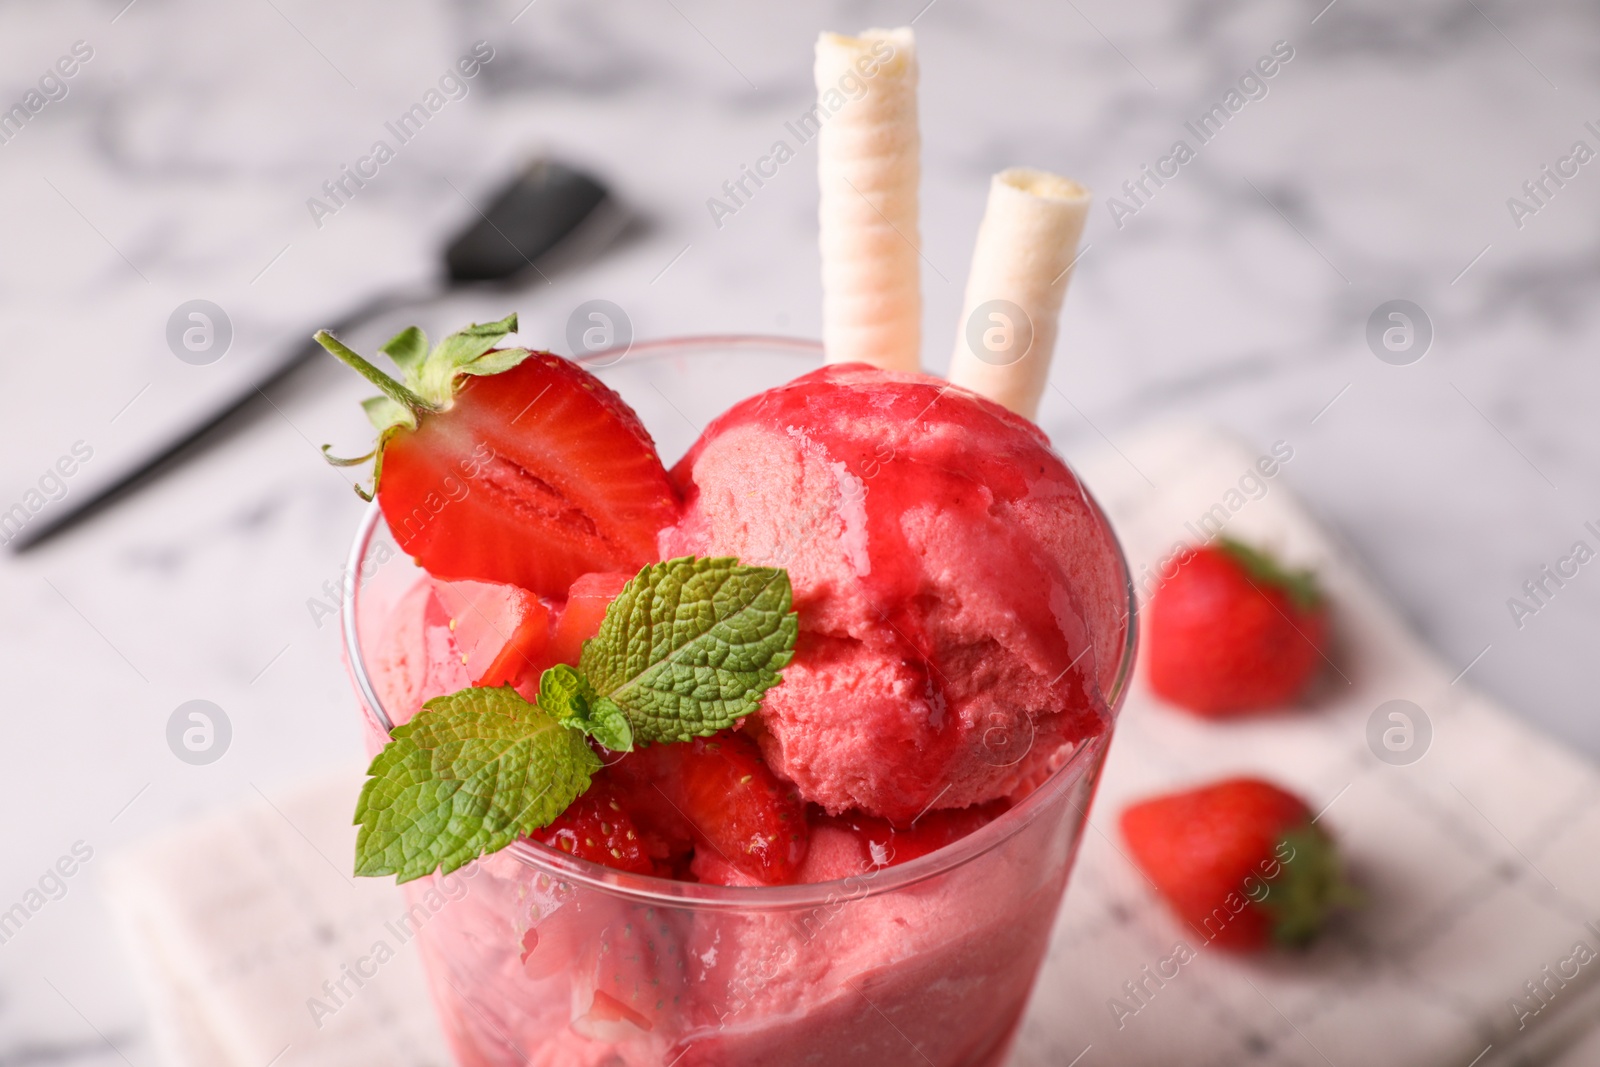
960	598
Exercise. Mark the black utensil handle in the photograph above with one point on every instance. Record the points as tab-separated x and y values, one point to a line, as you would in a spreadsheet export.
189	435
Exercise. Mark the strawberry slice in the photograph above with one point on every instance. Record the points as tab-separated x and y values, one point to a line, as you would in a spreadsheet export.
417	660
709	867
598	828
587	601
630	977
563	924
735	806
609	1019
883	844
501	632
507	465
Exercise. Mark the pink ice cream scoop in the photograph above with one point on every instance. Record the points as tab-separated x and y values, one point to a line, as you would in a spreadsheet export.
960	597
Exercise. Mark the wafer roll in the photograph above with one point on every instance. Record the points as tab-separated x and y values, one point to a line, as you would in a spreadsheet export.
1020	268
867	165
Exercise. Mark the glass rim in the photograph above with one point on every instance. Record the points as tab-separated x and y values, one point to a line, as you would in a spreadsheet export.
667	892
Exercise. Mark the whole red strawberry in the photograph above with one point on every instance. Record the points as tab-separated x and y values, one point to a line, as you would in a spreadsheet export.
1240	862
506	465
1232	631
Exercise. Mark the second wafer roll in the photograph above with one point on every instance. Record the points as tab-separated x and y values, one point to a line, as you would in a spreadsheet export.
1026	246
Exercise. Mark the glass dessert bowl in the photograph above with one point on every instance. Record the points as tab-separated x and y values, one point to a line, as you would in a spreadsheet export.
547	958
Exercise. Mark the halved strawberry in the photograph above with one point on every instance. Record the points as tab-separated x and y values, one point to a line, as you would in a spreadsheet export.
587	601
735	805
598	828
502	632
508	465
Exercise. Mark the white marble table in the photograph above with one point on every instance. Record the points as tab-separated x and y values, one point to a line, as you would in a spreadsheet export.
1377	166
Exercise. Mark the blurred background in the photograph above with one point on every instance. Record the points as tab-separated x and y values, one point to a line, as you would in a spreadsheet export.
1399	154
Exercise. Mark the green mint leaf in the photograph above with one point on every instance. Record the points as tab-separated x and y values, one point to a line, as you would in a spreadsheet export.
408	349
690	645
568	697
465	352
609	725
471	773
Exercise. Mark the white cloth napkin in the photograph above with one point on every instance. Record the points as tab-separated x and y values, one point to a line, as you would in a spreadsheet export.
1480	863
257	947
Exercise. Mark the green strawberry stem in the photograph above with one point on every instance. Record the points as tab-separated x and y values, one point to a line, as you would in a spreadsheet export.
387	385
1312	886
1300	585
338	461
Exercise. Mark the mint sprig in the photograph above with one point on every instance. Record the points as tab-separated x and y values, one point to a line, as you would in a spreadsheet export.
472	772
687	648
